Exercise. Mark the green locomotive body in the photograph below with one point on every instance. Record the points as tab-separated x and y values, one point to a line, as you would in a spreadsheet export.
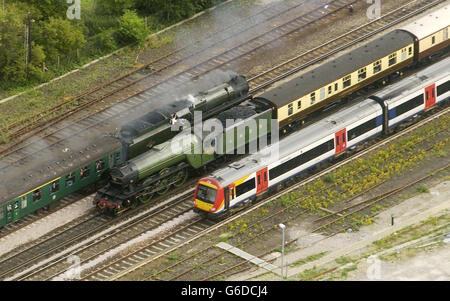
155	127
168	164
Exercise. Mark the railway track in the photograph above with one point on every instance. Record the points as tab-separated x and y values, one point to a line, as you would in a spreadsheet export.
113	115
20	127
93	232
88	252
155	85
188	259
210	254
322	52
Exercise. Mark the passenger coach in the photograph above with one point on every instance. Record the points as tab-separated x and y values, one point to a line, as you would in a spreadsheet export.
249	178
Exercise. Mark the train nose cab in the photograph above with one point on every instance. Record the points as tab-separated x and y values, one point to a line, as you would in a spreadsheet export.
208	196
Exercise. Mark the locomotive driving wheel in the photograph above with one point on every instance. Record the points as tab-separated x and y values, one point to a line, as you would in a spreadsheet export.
146	196
180	177
163	184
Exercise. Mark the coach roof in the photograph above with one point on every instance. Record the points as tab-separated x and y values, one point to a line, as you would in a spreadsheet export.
331	71
430	24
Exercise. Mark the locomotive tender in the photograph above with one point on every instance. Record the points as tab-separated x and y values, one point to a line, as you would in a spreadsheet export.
246	180
25	189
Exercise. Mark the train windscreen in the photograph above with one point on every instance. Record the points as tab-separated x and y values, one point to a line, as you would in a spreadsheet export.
206	194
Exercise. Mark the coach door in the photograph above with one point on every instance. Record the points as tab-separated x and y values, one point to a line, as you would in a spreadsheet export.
262	181
340	141
9	213
430	96
226	194
230	194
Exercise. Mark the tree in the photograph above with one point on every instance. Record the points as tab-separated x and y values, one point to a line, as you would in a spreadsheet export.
12	52
172	11
47	8
113	7
59	37
12	60
132	29
37	59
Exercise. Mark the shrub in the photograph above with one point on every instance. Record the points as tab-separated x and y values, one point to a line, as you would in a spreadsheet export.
132	29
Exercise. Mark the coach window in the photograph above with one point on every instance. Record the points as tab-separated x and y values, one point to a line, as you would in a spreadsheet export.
70	180
99	165
313	97
433	39
335	87
377	66
322	93
410	50
392	59
117	157
346	81
299	105
403	54
290	109
54	187
37	195
84	172
361	74
24	202
330	90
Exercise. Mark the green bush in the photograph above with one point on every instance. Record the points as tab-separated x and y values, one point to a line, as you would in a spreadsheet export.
132	29
104	41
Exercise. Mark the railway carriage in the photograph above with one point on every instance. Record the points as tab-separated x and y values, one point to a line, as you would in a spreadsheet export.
60	177
415	94
374	62
252	176
430	33
249	178
342	76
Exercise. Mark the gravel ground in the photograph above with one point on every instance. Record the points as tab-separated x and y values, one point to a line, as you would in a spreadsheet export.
430	265
409	212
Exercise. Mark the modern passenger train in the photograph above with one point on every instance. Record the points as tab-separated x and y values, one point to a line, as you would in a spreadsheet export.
248	179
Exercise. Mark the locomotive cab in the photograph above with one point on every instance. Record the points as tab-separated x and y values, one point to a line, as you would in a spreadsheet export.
208	196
